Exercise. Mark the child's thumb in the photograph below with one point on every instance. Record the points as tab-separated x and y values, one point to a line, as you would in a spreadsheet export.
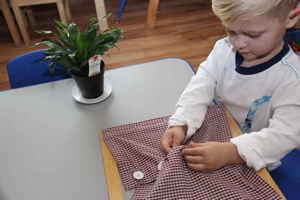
191	143
176	142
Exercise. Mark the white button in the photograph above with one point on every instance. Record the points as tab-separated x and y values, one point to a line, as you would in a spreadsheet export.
138	175
159	165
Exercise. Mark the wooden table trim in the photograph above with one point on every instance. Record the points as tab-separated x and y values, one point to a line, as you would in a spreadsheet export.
113	179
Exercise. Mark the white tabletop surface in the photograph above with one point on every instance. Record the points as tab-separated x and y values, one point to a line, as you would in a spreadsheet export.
49	146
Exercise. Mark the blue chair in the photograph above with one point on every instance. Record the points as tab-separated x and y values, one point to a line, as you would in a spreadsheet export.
287	176
292	34
30	69
293	38
121	9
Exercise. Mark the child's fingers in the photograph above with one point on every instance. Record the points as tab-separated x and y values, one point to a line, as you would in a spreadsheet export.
197	167
295	12
190	150
166	142
194	144
176	141
166	146
194	159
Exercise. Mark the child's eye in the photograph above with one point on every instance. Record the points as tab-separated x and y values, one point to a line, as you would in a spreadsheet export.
230	32
253	35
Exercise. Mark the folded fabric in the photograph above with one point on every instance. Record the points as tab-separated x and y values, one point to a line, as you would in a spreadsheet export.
155	175
177	181
136	148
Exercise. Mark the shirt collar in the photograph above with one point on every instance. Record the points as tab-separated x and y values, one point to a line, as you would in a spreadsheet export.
260	67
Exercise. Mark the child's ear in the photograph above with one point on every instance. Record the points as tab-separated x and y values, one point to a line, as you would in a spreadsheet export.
293	17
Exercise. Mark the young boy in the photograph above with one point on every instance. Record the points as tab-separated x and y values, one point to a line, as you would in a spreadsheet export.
257	76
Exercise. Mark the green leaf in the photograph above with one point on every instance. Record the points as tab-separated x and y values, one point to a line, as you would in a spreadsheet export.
66	62
55	46
63	36
108	15
60	24
73	30
51	67
93	20
45	32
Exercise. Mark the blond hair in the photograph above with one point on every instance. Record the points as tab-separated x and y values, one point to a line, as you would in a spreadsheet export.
230	10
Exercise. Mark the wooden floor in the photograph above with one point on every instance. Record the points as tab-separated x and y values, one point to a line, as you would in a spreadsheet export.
184	29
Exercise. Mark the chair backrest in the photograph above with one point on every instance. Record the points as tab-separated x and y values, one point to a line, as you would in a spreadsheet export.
31	69
293	38
10	20
287	176
120	9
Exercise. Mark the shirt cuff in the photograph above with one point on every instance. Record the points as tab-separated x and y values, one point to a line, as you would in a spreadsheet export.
248	154
176	122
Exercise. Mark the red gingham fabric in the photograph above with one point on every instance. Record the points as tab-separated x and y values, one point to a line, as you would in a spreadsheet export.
136	147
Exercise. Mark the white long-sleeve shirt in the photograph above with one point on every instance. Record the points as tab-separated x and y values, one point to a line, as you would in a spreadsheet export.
264	99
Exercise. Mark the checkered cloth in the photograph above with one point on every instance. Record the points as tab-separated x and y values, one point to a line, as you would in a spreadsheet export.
136	148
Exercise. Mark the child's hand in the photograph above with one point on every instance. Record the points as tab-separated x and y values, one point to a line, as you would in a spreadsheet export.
173	137
210	156
295	12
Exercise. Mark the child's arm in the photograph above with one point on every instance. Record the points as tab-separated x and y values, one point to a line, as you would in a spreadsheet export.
268	146
257	149
200	92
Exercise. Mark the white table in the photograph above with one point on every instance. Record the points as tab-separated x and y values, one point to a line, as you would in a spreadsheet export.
48	142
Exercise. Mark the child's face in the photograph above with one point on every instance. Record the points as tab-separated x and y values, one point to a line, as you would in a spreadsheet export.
257	38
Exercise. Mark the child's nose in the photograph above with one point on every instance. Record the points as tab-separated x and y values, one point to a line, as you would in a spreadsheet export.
239	42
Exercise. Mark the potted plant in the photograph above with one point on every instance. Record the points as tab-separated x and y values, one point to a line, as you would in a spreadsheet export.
80	53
